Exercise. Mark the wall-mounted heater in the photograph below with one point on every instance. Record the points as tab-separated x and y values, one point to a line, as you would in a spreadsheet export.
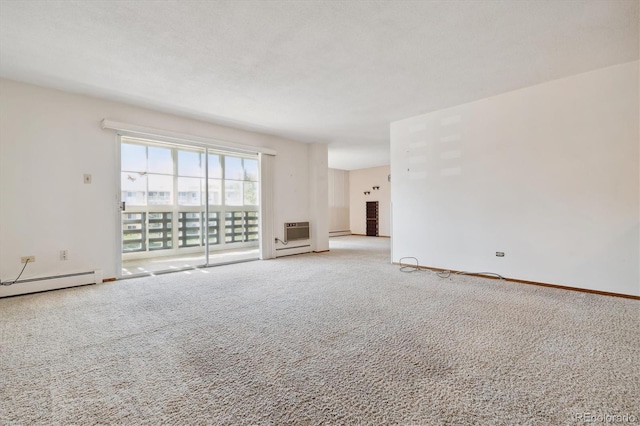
294	231
34	285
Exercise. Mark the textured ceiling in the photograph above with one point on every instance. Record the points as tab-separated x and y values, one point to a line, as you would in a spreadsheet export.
336	72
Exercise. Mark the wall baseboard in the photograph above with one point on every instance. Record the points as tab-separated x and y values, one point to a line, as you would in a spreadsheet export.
287	251
339	233
519	281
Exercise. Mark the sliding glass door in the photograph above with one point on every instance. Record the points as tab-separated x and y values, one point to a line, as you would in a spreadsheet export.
184	206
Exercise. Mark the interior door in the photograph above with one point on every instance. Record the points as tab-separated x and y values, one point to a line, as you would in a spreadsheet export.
372	218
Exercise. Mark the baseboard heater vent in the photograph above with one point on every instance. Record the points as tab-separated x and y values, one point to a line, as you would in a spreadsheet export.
34	285
294	231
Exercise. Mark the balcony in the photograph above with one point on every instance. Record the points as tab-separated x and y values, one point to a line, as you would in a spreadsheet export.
146	231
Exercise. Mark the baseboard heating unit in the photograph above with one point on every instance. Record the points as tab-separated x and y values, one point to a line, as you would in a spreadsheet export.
34	285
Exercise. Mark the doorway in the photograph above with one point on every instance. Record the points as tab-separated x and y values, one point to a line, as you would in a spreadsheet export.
372	218
185	207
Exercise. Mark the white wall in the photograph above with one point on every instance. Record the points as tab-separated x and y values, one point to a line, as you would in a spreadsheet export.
49	139
338	202
547	174
319	197
363	180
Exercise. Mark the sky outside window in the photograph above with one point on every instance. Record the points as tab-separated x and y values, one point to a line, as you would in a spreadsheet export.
148	177
190	163
160	160
233	168
134	157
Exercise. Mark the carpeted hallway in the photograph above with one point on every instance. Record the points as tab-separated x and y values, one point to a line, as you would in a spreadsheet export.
335	338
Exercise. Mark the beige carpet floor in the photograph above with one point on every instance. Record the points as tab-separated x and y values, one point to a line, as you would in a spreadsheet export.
335	338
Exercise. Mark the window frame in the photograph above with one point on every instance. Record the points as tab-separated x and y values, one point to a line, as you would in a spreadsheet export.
176	208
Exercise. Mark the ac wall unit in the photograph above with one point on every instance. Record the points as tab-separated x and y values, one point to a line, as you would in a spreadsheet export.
294	231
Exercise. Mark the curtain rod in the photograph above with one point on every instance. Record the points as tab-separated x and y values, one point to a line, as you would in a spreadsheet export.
132	130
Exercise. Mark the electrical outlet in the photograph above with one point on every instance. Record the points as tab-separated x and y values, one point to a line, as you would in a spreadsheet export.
500	253
64	254
87	178
25	259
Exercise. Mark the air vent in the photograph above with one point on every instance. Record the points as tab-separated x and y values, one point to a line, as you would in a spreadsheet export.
294	231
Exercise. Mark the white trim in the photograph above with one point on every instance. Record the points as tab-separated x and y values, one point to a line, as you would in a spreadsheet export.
206	207
288	251
118	209
132	130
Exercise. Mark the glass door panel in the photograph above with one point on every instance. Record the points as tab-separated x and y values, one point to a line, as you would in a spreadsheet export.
183	204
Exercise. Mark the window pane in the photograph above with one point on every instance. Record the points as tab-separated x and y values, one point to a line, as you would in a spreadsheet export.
189	229
233	168
250	169
134	157
134	188
251	226
250	193
160	190
215	192
215	167
160	231
190	164
213	227
160	160
233	193
133	232
189	191
233	227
